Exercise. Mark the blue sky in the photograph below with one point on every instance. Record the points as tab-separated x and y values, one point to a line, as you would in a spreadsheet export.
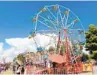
15	17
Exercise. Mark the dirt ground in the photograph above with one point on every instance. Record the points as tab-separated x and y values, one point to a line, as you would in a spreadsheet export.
8	72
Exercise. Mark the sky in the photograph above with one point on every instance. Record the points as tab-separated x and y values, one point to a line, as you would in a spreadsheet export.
16	18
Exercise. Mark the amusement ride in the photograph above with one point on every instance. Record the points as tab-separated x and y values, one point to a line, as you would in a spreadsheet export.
66	31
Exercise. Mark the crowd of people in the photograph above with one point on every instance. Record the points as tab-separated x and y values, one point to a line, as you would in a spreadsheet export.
18	69
4	67
38	63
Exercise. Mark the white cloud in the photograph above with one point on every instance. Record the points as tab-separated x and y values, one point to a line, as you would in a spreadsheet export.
25	43
84	50
20	45
44	41
18	42
1	48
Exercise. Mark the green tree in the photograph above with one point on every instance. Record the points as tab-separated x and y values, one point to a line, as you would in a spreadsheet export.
62	49
51	49
21	57
85	57
91	40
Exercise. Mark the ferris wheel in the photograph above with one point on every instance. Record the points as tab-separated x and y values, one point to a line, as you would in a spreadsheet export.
53	20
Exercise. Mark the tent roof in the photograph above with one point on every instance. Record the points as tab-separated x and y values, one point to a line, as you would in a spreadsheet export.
57	58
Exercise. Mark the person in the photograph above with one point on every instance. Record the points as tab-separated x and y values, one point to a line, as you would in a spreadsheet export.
0	69
22	70
54	65
48	66
13	69
45	62
18	70
6	67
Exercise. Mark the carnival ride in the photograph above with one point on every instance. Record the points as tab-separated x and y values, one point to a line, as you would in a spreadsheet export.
66	31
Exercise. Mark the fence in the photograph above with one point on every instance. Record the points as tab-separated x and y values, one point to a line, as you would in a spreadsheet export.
63	70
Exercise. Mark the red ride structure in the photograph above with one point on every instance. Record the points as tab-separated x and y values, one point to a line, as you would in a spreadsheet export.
73	63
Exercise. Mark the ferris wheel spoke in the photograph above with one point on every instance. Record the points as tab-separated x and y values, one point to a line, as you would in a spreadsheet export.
53	24
67	19
60	16
36	23
45	24
72	23
79	21
35	42
57	17
46	31
69	25
59	26
64	17
48	21
81	25
51	13
58	23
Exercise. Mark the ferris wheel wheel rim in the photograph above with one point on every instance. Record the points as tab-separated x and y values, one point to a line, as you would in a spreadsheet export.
68	9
